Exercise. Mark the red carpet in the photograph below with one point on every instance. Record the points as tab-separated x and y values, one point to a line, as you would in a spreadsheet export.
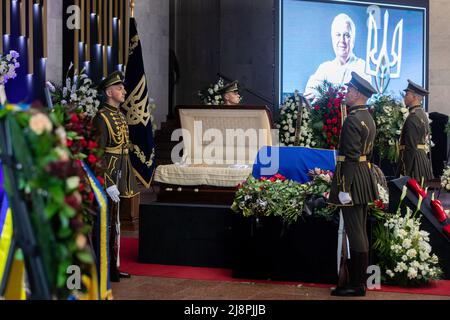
129	258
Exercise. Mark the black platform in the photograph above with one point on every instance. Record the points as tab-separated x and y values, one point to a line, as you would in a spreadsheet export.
214	236
185	234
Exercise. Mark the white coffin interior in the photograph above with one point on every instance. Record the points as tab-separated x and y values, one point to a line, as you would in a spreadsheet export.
220	145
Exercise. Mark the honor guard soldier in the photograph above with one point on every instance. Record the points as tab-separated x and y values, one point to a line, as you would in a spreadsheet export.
354	185
120	181
413	160
230	94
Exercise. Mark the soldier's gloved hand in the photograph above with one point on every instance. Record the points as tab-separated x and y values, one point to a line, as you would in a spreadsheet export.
113	193
344	197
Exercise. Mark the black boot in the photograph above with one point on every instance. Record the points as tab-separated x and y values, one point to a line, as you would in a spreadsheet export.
357	270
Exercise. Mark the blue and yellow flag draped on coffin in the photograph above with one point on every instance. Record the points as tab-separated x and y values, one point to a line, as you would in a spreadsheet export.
137	109
292	162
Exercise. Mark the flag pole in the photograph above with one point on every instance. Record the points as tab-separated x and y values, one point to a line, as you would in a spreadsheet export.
132	5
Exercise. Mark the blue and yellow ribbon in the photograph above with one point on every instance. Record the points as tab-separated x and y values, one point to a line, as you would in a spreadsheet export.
102	235
15	288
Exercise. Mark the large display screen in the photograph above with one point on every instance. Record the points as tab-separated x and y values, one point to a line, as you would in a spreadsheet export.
386	44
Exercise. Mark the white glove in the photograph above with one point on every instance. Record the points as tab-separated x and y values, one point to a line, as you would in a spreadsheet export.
344	197
113	193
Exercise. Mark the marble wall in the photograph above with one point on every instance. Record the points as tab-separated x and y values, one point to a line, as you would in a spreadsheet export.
152	18
439	74
54	70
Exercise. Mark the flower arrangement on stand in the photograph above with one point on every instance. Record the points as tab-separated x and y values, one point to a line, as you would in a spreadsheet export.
211	95
75	105
404	249
291	133
389	115
445	179
49	184
326	118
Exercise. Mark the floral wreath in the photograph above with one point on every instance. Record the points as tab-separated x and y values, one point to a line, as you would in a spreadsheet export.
389	115
291	131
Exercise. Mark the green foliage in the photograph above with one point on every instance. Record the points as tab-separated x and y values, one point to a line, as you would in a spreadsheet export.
280	197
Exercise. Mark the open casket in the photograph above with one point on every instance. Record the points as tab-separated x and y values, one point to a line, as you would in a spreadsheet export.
219	146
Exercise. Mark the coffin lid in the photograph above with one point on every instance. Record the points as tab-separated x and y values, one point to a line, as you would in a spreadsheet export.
206	129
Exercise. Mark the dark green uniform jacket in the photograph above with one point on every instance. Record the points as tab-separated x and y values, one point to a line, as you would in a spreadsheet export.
114	137
353	173
413	160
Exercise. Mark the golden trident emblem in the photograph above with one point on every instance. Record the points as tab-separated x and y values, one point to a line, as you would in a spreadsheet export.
387	66
137	106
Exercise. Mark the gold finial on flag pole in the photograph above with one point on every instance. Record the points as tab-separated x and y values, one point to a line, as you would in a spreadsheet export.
132	5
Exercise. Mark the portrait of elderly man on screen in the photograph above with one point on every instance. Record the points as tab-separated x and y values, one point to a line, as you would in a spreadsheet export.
338	71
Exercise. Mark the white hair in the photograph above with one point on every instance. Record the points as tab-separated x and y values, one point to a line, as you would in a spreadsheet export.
342	17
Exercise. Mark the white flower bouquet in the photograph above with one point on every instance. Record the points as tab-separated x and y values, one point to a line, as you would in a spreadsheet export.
403	248
211	95
78	93
290	133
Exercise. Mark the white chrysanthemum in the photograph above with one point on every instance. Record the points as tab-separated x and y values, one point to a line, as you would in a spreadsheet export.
412	273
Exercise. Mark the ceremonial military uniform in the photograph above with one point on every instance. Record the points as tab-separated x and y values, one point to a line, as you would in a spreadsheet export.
353	176
113	137
413	160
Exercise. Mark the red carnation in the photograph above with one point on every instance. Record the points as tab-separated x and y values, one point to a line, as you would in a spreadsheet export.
74	118
92	145
91	197
330	126
334	120
335	130
327	115
81	187
69	143
92	159
317	108
73	201
83	143
328	121
329	134
325	128
329	105
337	102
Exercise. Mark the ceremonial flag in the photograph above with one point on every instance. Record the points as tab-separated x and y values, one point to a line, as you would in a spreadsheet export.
137	109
